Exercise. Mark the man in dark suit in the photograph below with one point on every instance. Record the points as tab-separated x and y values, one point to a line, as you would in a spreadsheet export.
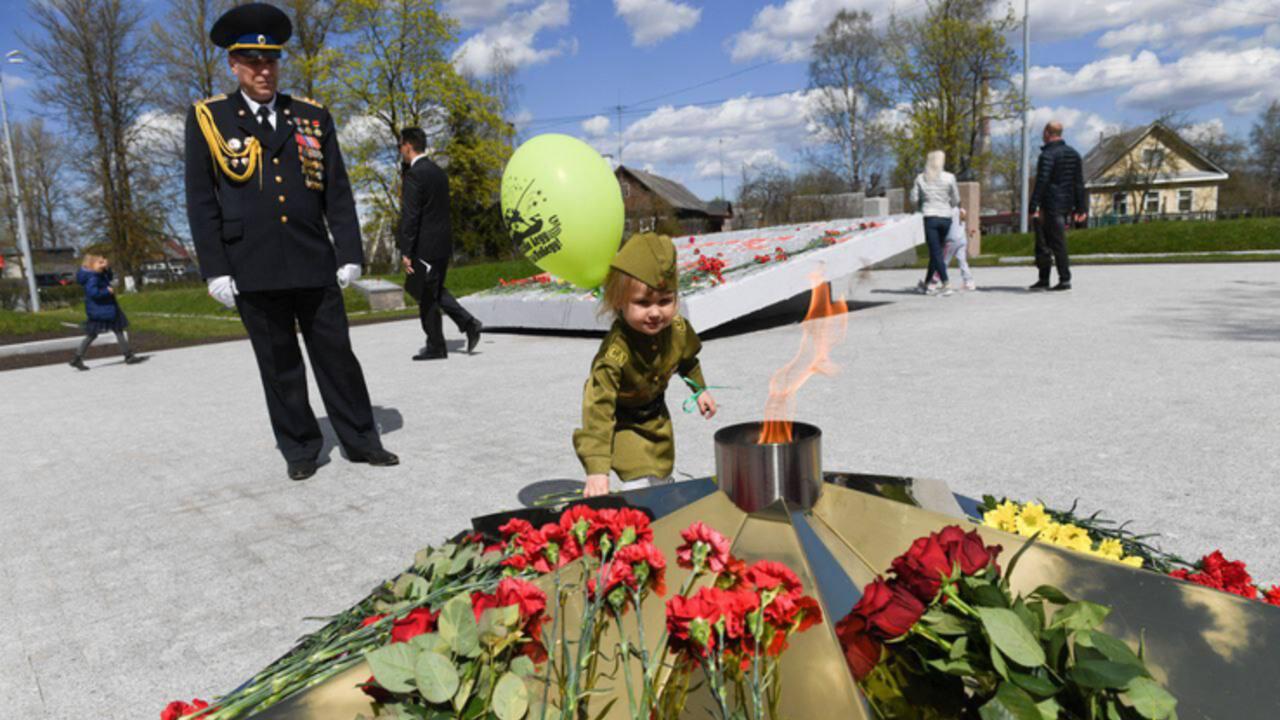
1059	194
264	179
426	245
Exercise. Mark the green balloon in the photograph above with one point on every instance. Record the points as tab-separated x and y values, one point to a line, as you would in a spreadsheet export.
562	204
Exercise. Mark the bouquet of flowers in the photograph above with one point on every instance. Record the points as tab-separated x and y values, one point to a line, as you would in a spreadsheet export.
946	638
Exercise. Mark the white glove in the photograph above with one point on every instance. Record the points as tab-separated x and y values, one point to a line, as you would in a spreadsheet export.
348	274
223	289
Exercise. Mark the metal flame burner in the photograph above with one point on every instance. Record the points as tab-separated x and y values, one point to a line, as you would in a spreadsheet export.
755	475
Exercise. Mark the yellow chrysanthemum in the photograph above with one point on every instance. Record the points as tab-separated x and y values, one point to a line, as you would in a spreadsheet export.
1004	517
1111	549
1050	532
1132	561
1032	519
1074	537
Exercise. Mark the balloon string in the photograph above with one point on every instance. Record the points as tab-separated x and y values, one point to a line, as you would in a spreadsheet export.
691	402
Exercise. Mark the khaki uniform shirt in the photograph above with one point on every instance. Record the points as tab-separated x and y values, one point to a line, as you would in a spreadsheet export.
625	423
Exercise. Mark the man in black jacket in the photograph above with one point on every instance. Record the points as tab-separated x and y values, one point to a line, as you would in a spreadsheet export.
426	245
264	179
1059	193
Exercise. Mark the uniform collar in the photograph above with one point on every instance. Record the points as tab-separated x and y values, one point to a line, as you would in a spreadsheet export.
254	105
649	344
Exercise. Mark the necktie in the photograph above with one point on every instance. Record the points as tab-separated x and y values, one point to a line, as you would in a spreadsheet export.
264	116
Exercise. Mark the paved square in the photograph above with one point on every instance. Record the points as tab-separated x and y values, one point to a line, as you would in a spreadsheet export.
154	550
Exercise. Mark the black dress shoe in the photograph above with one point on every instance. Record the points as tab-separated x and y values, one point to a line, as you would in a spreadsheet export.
302	469
432	355
1061	286
1041	285
377	458
78	364
473	336
132	359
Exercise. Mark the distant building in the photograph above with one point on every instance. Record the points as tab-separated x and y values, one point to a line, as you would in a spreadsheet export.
658	204
1150	171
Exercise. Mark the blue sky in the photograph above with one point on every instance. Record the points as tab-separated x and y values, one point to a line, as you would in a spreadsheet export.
702	78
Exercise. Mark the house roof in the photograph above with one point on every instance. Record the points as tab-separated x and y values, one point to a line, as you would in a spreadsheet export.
1112	149
720	208
675	194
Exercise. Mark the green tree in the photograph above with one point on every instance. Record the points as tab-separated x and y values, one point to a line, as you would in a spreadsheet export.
850	74
392	70
309	59
1265	138
954	68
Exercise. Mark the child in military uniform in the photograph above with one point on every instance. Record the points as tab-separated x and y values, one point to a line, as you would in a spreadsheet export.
626	427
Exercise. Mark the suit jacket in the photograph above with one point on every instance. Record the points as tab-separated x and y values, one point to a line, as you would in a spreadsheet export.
425	231
272	230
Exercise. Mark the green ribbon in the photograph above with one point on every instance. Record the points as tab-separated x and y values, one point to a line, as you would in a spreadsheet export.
691	402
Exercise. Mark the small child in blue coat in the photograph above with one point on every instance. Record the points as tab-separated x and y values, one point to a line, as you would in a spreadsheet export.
102	312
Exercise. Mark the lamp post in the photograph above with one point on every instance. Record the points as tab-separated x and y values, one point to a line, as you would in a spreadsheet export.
15	57
1026	115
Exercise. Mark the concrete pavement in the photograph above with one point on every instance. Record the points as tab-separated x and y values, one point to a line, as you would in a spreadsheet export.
154	550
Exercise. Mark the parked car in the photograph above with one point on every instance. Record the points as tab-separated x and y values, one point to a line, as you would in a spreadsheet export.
49	280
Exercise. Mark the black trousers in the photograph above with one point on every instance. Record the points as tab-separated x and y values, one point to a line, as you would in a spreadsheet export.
1051	245
273	319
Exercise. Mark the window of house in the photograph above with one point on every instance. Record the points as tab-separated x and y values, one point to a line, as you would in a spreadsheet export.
646	224
1120	204
1184	201
1153	157
1151	202
626	189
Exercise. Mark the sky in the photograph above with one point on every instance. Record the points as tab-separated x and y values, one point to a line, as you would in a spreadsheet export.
710	88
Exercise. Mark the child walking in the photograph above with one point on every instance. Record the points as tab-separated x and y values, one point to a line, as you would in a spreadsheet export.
957	246
102	312
626	427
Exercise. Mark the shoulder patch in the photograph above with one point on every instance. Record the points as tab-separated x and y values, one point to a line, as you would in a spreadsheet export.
616	355
308	101
213	99
678	323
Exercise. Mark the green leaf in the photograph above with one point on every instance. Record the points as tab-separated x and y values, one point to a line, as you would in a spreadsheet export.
1113	648
1150	700
984	593
959	648
410	587
1104	674
1049	709
457	625
1028	616
943	622
1011	636
510	697
998	663
496	623
1080	615
1052	594
1010	703
1038	686
436	676
392	666
429	642
465	686
523	667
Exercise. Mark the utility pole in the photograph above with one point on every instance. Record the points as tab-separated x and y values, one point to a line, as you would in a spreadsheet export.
13	56
1026	114
618	108
721	141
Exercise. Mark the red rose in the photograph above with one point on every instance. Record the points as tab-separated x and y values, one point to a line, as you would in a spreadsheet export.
717	548
889	609
861	651
417	622
376	692
922	568
178	709
371	620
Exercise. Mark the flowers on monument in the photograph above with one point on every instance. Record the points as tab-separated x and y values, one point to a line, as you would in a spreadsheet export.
1028	519
710	269
966	646
703	549
1216	571
404	629
178	709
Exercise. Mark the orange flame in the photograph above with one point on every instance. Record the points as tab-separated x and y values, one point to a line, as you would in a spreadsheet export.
820	335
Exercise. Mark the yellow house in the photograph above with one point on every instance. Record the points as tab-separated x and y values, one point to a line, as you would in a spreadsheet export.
1150	171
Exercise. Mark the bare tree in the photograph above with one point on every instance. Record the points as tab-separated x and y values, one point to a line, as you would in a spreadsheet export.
849	73
194	68
91	55
770	191
1265	140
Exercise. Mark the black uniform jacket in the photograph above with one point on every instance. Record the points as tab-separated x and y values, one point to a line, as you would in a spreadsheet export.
425	232
269	232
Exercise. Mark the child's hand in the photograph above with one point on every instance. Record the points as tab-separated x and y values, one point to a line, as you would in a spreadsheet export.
707	405
111	290
596	485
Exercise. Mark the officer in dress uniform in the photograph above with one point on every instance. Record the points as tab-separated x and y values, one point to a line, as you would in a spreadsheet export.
266	188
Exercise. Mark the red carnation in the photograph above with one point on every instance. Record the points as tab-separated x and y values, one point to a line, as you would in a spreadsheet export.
889	609
717	548
1272	596
371	620
417	622
515	528
922	567
684	617
178	709
861	650
767	574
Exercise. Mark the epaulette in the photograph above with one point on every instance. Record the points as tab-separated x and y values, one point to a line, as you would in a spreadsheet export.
215	98
308	101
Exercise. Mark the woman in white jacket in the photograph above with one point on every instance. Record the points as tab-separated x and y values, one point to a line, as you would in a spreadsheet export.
935	194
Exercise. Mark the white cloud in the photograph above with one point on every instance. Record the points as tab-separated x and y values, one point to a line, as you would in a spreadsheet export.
652	21
1130	24
515	38
471	13
596	126
1135	35
1119	71
1081	127
13	82
787	31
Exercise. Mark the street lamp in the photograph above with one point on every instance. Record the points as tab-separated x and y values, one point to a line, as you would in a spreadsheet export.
14	57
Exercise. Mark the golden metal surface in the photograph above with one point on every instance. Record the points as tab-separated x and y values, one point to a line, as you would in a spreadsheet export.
335	699
1214	651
